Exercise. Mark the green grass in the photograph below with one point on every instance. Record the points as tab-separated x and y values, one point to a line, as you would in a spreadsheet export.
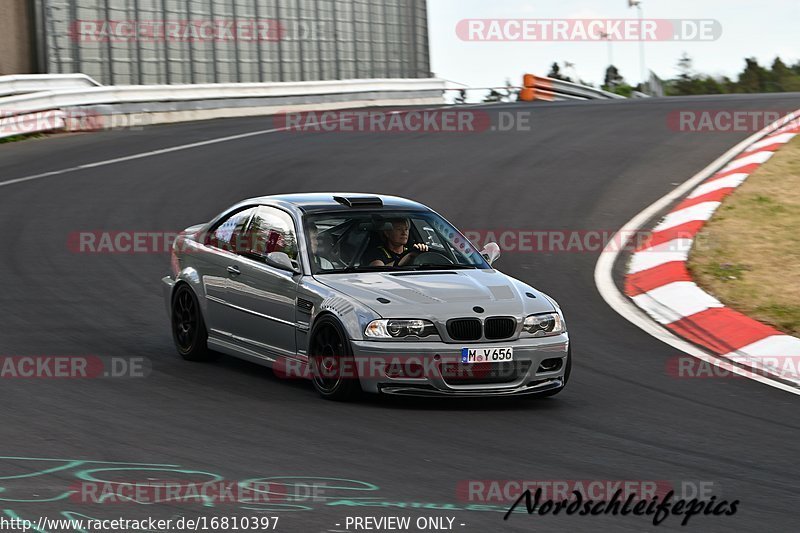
17	138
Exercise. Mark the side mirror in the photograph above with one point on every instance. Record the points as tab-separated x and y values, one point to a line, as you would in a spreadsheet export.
491	252
281	260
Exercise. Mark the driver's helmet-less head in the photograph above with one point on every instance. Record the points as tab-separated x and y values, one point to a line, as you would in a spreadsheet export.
398	232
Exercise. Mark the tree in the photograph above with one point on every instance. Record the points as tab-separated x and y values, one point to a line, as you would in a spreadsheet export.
512	92
685	67
615	83
754	78
782	78
613	78
727	85
710	85
686	82
492	97
555	73
623	89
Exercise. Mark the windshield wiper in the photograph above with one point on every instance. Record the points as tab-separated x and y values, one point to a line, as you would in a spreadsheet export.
351	270
441	267
405	268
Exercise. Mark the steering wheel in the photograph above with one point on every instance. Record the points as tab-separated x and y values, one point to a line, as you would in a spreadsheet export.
432	258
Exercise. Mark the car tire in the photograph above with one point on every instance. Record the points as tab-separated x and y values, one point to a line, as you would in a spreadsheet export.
331	361
188	327
567	372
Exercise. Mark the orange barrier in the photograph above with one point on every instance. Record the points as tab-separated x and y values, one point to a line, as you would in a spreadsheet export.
536	88
555	90
529	81
544	83
527	94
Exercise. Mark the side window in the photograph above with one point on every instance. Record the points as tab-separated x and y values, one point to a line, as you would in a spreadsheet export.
272	230
228	234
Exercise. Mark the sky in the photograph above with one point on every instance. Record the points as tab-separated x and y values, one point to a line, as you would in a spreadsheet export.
750	28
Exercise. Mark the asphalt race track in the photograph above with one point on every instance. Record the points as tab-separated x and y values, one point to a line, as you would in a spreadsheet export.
584	166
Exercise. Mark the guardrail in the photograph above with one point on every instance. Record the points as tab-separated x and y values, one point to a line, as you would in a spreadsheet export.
31	83
27	100
182	93
26	124
551	89
174	103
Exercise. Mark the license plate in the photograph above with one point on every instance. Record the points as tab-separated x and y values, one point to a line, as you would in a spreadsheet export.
486	355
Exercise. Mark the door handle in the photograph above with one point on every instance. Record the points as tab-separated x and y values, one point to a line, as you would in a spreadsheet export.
234	270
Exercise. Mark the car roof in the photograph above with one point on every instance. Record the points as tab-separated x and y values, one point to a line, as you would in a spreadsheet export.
318	202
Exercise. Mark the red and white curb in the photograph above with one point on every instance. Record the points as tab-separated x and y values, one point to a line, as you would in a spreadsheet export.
659	283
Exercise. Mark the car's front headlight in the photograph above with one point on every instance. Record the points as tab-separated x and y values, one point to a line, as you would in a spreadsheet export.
543	325
395	329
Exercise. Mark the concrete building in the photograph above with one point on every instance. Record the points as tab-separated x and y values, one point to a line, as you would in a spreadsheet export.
17	36
216	41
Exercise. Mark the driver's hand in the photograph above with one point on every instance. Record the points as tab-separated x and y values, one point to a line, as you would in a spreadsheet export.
419	247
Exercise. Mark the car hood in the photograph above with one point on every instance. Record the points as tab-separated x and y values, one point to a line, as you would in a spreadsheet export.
439	294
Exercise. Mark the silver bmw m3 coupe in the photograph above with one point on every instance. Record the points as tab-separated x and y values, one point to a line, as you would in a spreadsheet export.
362	293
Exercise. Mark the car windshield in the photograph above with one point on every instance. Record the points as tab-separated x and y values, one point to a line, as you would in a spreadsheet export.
374	241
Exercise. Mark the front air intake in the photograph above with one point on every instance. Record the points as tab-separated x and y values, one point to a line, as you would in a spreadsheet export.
464	329
499	327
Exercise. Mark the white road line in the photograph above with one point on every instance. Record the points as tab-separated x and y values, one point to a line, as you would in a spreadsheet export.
604	279
190	146
138	156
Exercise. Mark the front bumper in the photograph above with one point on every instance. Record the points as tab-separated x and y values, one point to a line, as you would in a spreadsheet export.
418	390
437	361
167	284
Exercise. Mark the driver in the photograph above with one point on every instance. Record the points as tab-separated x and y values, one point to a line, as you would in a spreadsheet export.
395	250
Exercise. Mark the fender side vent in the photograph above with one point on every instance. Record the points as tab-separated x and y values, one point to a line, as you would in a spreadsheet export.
305	305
